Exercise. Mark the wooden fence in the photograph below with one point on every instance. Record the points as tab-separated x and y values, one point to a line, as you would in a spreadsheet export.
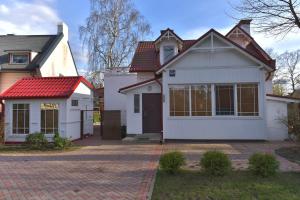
111	125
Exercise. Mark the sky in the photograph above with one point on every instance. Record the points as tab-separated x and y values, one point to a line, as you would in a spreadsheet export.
189	19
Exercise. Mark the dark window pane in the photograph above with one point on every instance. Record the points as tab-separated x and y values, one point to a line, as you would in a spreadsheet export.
49	119
74	102
201	100
224	100
136	103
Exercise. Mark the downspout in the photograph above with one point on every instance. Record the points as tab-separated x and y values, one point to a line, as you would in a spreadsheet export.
161	110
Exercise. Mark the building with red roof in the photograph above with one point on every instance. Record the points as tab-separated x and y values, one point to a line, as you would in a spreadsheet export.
215	87
48	105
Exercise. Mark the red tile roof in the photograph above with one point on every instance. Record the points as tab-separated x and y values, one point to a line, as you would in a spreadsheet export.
146	57
45	87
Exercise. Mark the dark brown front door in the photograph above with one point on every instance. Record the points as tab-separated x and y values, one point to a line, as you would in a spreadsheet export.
151	113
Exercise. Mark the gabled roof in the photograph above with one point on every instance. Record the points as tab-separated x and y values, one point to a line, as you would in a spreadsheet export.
45	87
41	44
136	85
226	39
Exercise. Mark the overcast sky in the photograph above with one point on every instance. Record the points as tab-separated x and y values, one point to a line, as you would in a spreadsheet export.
189	19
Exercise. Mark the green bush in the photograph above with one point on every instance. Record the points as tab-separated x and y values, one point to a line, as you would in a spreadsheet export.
215	163
172	161
60	142
36	141
263	164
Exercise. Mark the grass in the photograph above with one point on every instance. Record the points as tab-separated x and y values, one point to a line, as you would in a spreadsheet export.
21	148
238	185
290	153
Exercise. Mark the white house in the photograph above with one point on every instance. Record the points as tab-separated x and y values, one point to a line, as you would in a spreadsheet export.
48	105
35	56
215	87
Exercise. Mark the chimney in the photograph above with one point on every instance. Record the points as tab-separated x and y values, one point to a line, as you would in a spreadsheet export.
63	28
245	25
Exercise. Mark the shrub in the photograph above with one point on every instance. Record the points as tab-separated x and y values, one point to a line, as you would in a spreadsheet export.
172	161
215	163
264	165
36	141
60	142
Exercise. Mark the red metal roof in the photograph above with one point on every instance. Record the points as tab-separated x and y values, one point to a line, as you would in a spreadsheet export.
45	87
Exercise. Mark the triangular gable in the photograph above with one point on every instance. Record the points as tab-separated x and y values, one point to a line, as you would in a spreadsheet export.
221	40
168	34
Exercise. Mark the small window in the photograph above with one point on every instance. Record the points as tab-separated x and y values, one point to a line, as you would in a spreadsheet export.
136	103
49	118
74	102
224	100
20	118
19	58
169	52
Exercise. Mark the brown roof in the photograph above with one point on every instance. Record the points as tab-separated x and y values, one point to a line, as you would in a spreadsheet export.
146	57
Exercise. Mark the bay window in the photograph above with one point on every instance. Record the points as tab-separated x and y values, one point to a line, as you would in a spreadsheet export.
247	95
49	118
214	99
20	118
179	100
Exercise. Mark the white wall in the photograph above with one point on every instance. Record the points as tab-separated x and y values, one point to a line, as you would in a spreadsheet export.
134	120
84	95
227	66
69	116
113	100
60	62
275	111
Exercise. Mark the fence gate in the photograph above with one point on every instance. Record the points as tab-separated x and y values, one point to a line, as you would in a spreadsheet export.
111	125
90	123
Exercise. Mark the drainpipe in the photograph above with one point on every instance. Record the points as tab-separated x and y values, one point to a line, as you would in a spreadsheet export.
161	110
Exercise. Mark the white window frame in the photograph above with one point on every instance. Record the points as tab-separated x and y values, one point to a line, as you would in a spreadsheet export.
213	102
58	109
12	114
165	46
11	58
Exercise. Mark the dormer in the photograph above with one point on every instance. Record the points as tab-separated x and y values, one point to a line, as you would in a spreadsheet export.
168	44
19	57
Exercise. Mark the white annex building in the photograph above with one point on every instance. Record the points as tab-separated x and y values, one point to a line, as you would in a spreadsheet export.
215	87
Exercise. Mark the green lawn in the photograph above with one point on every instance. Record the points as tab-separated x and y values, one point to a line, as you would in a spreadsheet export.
188	185
19	148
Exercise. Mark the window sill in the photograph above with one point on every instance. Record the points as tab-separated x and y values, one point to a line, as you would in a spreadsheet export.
216	118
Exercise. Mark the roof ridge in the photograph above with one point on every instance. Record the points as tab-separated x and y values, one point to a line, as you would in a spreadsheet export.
51	77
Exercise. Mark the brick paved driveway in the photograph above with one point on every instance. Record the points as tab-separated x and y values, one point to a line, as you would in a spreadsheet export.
239	152
109	171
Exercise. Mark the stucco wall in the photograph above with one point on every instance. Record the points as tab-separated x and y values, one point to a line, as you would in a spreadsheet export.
218	67
7	79
134	120
113	100
60	62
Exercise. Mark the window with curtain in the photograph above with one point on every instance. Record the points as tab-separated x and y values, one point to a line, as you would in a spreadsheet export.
247	95
20	118
201	100
224	99
49	118
179	100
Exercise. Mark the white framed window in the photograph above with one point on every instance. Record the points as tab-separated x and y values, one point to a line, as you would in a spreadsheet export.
179	100
74	102
224	95
49	118
136	103
19	58
201	100
247	96
20	119
169	52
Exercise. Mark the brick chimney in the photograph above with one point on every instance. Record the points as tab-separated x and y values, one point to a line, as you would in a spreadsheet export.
245	25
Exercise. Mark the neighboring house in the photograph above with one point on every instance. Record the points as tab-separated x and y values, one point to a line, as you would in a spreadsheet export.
35	56
215	87
48	105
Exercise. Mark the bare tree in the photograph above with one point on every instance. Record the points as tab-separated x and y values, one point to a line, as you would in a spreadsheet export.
289	69
276	17
111	33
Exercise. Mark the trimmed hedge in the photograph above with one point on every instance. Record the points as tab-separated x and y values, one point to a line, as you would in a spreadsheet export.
215	163
263	164
172	161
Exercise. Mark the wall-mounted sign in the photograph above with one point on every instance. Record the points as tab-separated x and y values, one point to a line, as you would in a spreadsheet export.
172	72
